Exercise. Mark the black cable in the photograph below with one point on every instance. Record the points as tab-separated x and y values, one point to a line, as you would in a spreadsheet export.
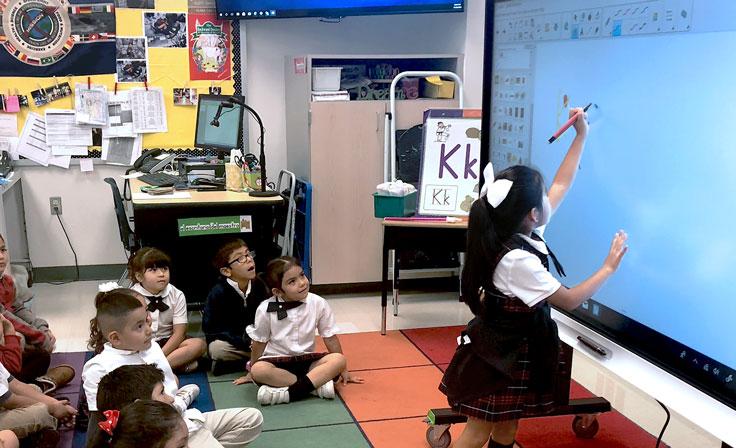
76	263
667	422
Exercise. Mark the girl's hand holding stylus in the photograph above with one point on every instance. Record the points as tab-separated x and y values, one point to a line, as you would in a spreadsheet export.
581	124
617	252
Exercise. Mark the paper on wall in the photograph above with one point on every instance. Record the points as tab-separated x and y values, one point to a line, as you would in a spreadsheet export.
86	165
63	130
90	104
120	123
69	150
8	125
60	161
121	150
149	112
32	143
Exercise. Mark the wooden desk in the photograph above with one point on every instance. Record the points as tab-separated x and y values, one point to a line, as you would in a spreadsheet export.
156	224
399	235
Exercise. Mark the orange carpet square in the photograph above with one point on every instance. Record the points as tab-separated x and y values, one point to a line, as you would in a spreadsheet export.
372	351
394	393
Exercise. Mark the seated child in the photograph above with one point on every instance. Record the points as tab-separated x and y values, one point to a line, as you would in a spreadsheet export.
121	335
149	271
282	354
231	306
28	342
146	423
233	427
29	413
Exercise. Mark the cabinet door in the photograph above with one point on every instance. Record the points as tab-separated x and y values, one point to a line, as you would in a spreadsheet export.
346	146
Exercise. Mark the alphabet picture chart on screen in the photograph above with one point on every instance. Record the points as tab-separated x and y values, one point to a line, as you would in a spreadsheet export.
658	162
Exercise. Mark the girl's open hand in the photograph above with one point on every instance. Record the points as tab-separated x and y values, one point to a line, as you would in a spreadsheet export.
581	124
243	380
617	252
346	377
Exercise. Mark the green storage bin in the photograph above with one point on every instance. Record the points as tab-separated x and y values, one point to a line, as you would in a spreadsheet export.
386	206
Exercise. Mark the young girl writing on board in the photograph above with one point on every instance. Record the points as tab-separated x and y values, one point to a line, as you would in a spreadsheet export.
504	368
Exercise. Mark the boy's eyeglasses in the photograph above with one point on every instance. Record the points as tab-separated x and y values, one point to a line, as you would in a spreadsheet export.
243	258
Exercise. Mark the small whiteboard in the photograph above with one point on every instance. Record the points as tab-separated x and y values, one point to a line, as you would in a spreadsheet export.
451	168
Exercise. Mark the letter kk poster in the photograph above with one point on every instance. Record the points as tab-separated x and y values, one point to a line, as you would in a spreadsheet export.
450	162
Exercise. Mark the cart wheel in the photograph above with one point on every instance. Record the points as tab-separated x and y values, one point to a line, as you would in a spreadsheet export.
582	430
438	436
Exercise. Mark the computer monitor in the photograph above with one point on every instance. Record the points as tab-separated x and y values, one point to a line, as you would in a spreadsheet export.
221	134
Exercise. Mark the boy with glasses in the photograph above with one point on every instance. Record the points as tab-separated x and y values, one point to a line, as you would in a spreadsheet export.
231	307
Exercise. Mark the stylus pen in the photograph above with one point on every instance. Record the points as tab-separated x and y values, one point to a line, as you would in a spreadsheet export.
567	124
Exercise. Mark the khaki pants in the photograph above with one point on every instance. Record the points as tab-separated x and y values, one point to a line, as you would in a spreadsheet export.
28	420
233	427
224	351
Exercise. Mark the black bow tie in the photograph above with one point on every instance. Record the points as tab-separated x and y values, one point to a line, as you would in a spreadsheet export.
281	307
156	303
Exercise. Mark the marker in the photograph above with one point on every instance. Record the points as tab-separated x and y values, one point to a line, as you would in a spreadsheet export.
592	345
567	124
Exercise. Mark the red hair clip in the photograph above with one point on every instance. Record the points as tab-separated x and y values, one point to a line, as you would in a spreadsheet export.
109	425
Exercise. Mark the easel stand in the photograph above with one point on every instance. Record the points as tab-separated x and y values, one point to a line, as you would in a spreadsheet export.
585	410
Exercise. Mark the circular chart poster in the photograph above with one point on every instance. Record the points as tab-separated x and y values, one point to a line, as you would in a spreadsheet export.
41	33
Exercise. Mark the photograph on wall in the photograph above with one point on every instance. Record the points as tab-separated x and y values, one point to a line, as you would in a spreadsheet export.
139	4
131	71
165	30
130	48
44	38
49	94
185	97
209	48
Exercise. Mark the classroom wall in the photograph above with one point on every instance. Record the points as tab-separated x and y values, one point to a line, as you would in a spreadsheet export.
87	204
87	213
269	42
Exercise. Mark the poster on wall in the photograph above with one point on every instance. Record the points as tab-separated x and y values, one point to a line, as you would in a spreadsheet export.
209	48
165	30
450	166
43	38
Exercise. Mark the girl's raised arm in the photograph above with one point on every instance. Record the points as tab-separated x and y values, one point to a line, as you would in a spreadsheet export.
568	168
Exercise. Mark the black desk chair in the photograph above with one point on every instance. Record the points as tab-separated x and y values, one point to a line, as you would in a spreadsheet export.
127	236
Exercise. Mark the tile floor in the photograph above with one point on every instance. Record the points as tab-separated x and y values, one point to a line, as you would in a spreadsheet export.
69	307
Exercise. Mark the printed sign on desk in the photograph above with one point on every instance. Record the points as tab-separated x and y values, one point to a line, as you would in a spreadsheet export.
450	162
215	225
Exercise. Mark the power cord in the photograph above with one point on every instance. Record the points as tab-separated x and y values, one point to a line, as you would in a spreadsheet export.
76	263
667	422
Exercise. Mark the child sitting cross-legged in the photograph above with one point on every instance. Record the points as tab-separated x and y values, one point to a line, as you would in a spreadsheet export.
146	423
121	334
231	306
150	272
282	354
232	427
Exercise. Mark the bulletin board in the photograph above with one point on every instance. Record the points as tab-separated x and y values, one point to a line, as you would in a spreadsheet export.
168	68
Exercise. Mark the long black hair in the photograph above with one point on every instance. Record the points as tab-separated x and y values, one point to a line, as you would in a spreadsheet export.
489	228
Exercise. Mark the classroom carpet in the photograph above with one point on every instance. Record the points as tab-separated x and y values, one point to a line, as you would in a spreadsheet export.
401	371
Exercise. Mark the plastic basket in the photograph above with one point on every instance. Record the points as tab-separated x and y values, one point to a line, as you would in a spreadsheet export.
386	206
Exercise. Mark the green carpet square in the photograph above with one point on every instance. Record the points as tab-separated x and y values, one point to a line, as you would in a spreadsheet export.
312	411
334	436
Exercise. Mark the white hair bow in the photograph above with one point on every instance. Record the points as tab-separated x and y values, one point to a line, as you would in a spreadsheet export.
495	190
107	287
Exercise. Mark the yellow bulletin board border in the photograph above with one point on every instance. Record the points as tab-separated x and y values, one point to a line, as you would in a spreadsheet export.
168	68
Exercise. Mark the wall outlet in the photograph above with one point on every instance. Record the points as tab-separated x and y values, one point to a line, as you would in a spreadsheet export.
55	203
